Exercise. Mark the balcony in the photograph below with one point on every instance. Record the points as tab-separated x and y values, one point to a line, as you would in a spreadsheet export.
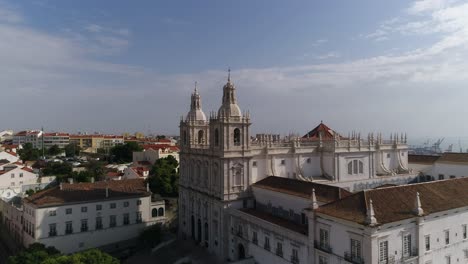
323	247
353	259
412	254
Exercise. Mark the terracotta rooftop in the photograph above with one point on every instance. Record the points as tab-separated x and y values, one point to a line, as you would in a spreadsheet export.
397	203
324	193
88	192
302	229
454	157
324	130
422	159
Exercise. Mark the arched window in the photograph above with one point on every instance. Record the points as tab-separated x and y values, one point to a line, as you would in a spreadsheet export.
161	211
154	212
198	174
237	137
237	176
355	167
216	137
200	136
206	231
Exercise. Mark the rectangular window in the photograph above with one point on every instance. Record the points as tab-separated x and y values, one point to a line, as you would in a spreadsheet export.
465	251
126	219
355	166
279	249
407	245
52	213
84	209
112	206
138	217
303	219
447	237
447	260
355	249
12	175
383	252
254	238
112	221
324	238
52	230
254	164
84	225
323	260
21	175
464	231
98	223
138	202
126	204
267	243
441	176
427	242
283	162
98	207
308	160
294	256
69	227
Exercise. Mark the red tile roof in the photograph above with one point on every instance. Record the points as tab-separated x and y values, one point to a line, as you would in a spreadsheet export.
89	192
324	193
114	174
56	134
324	130
397	203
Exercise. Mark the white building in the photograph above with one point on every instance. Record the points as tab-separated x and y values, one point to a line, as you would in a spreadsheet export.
28	136
13	178
419	223
219	163
10	156
151	153
135	173
80	216
446	166
6	135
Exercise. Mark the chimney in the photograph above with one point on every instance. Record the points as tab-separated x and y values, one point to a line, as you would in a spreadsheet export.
61	186
92	179
107	192
147	187
70	180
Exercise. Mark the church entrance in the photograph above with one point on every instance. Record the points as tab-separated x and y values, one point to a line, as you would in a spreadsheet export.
241	252
199	238
193	227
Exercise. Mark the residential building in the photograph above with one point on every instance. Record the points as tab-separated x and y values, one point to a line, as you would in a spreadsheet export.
11	156
79	216
91	143
56	139
448	165
28	136
13	178
220	161
6	135
153	152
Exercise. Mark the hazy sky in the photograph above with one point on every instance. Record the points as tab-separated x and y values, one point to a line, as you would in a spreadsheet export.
117	66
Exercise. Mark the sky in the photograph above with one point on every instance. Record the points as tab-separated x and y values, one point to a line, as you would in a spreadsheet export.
115	66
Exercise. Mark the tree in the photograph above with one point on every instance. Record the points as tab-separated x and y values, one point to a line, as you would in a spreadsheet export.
54	150
30	192
28	152
72	150
39	254
61	170
124	152
151	236
164	177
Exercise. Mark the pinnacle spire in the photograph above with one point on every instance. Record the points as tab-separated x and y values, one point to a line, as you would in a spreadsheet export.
229	74
417	206
314	204
370	218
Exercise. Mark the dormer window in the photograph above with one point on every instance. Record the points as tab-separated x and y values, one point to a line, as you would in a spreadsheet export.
355	167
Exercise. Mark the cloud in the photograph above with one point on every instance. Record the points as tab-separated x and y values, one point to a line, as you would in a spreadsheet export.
421	6
9	15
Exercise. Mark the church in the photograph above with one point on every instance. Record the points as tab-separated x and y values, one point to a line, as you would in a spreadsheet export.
232	182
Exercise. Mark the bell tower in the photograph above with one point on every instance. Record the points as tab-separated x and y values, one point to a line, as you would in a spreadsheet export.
194	129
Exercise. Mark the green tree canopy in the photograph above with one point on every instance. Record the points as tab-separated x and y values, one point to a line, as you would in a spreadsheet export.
151	236
54	150
39	254
164	178
124	152
72	150
28	152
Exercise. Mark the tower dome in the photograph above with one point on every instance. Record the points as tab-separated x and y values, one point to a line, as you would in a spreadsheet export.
229	107
196	113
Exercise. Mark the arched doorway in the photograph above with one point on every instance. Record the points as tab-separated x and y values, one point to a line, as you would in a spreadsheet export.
193	227
206	234
199	233
240	251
